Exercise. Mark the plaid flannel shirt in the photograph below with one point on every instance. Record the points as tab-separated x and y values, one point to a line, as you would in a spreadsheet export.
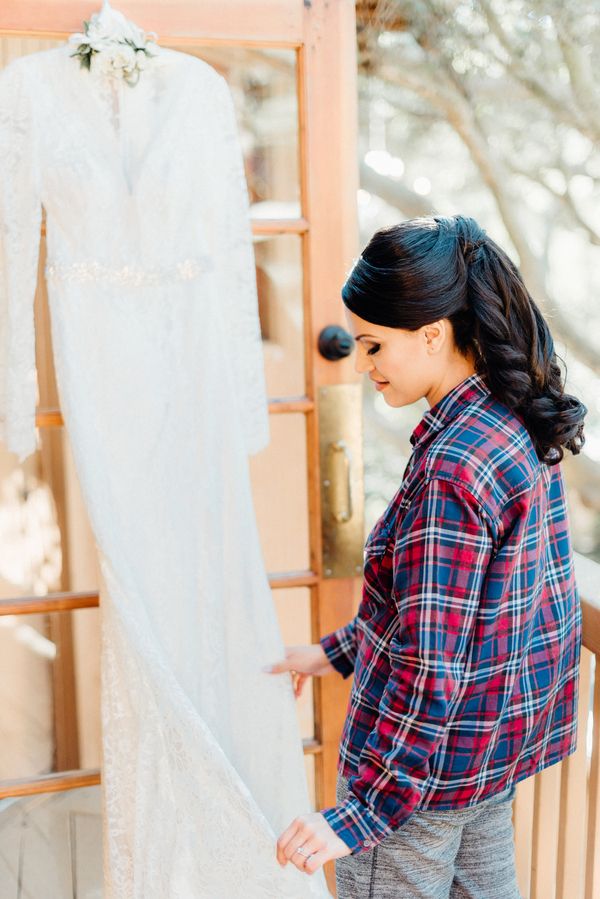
465	649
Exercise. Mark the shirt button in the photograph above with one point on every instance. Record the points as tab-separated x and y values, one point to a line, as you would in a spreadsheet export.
366	842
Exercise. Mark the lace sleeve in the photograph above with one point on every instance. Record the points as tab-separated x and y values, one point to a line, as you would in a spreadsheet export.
239	278
20	221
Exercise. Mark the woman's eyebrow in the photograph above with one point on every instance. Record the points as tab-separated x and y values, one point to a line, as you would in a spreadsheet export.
370	336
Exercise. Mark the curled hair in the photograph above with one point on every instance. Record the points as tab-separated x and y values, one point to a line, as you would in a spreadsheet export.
430	268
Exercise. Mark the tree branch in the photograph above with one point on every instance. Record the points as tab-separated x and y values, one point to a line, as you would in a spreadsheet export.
560	107
395	193
565	198
581	77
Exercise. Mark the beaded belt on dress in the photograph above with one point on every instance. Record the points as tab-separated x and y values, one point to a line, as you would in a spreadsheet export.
127	275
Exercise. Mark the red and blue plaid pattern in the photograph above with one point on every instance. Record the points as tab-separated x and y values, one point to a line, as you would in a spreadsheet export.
465	649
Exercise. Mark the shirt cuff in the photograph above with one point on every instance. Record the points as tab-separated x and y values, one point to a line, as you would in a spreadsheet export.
356	825
339	647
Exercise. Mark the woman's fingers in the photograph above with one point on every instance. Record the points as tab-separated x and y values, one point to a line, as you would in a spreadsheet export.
291	853
318	841
295	680
309	847
288	834
298	681
302	832
297	658
319	858
278	667
286	664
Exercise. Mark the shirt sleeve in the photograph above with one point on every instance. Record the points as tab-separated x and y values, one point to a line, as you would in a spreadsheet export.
340	648
20	223
440	557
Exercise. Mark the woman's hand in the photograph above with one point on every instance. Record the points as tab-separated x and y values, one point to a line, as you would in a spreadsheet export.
317	840
303	662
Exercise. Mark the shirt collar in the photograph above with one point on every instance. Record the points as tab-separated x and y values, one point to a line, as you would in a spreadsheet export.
440	414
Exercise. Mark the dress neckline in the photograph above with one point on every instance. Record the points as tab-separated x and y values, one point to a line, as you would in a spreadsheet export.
117	113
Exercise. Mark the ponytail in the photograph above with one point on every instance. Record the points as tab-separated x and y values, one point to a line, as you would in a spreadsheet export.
430	268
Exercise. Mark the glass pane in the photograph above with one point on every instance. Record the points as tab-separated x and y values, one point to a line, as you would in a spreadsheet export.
51	845
49	693
386	450
279	284
263	85
279	485
12	47
46	543
293	613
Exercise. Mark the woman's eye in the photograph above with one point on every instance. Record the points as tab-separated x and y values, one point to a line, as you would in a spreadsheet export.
374	349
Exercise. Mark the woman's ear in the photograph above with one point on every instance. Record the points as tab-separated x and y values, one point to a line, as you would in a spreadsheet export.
434	335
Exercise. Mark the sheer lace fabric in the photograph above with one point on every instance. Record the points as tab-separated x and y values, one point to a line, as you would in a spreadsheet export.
158	359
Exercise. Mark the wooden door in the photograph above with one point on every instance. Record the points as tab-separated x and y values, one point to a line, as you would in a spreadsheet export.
302	175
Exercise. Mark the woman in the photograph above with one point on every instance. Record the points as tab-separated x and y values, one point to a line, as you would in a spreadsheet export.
465	649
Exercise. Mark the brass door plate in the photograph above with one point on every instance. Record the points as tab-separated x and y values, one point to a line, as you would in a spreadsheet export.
342	490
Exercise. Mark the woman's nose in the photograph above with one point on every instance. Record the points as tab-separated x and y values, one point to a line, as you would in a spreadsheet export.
362	363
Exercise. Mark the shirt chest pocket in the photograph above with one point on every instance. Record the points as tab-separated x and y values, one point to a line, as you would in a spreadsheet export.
384	532
379	559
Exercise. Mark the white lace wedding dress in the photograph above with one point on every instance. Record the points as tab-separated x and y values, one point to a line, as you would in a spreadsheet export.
158	360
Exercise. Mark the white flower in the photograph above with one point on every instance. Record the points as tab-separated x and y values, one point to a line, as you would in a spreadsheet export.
123	57
135	34
102	63
99	43
95	31
116	46
77	39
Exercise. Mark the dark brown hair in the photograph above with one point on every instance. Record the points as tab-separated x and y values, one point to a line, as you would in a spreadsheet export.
426	269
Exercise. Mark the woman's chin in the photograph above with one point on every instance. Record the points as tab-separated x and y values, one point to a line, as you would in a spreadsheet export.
389	399
392	399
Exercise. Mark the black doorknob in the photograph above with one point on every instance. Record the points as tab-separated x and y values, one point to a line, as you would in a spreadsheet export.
335	343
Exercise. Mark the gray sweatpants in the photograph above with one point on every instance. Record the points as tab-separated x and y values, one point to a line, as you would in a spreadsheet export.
463	853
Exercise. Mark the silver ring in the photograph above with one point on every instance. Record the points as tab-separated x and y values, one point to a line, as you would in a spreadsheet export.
302	852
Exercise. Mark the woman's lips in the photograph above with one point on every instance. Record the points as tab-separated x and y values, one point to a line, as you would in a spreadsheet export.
380	385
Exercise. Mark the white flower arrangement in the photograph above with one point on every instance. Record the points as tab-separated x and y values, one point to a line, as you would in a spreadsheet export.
119	48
